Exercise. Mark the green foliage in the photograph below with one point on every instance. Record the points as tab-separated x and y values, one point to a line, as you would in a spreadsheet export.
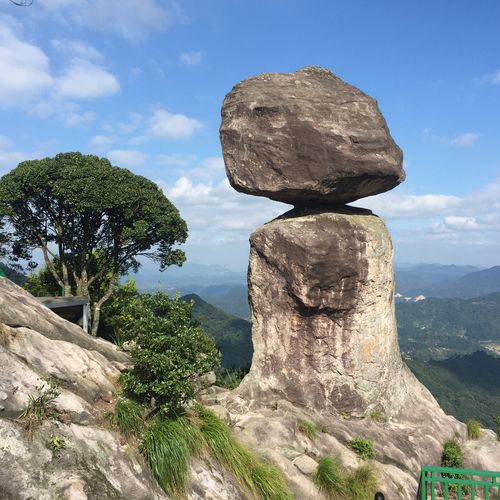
441	328
307	428
169	351
474	430
452	455
262	480
230	378
42	284
363	483
363	447
89	211
57	443
465	387
110	326
13	273
40	407
496	420
232	335
167	447
336	484
127	417
331	479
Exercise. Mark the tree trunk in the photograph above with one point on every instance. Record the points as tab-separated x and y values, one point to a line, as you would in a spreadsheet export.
96	313
67	285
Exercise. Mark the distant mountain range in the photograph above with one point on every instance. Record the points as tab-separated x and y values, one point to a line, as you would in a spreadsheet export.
447	281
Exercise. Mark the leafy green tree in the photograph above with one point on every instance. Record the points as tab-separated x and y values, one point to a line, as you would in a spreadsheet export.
168	351
92	218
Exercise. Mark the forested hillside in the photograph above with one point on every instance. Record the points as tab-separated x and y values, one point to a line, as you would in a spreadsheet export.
233	335
440	328
466	386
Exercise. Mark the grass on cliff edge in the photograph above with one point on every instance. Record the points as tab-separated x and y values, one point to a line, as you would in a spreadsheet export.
169	444
336	484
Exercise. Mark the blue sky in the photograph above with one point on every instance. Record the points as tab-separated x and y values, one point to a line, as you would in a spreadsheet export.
142	83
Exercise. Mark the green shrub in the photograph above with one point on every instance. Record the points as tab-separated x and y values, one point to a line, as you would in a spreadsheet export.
474	430
40	407
168	352
307	428
362	484
452	455
261	479
128	417
330	479
363	447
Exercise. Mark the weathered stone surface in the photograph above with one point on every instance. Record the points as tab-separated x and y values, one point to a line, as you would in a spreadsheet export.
307	138
402	444
324	330
305	464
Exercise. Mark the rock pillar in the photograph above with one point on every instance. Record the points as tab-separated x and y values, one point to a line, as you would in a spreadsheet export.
320	277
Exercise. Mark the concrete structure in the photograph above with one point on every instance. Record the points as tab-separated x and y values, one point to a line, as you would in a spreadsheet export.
74	309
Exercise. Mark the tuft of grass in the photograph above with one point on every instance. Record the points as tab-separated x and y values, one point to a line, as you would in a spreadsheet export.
128	417
376	415
363	447
57	444
40	407
474	430
362	484
330	479
168	446
307	428
261	479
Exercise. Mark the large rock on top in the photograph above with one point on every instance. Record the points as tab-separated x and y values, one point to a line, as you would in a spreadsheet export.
323	325
307	138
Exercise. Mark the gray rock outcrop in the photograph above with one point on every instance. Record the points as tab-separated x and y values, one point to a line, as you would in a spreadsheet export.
321	287
307	138
324	330
95	462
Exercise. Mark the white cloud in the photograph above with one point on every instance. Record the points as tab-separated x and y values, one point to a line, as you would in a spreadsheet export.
85	80
465	140
130	19
493	79
216	213
133	123
24	69
127	158
78	48
173	126
75	118
191	58
10	159
5	142
101	142
398	206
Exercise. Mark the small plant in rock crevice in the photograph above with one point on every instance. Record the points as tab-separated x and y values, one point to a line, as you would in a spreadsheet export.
308	429
57	443
40	407
363	447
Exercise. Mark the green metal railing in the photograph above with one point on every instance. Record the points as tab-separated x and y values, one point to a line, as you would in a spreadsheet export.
462	484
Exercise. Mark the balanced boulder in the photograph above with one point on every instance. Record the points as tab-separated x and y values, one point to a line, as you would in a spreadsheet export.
307	138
